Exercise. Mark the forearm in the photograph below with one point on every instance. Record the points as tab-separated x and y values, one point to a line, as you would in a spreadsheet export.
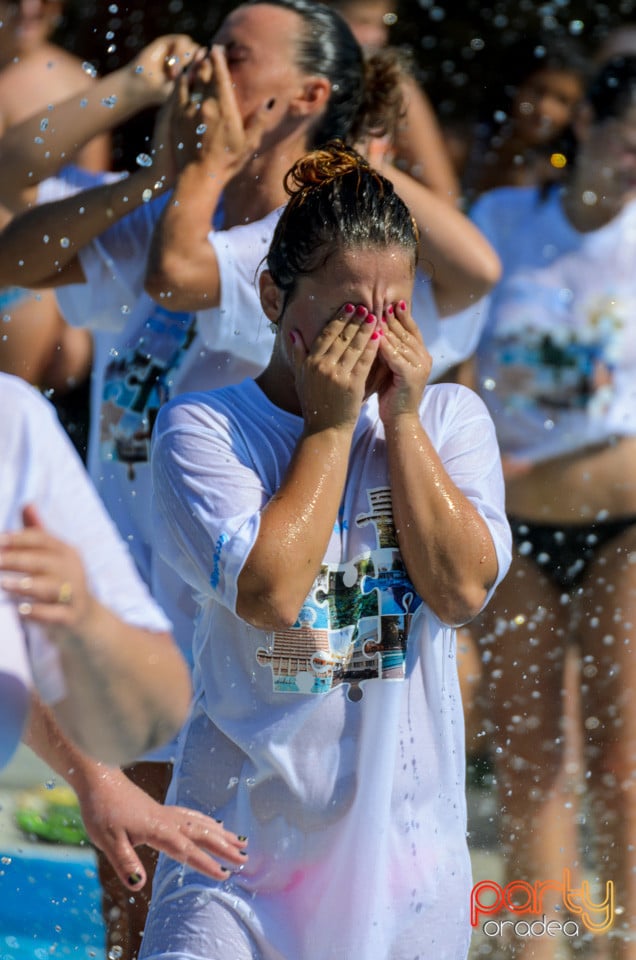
464	266
127	689
445	544
182	263
45	737
31	151
294	533
420	149
37	246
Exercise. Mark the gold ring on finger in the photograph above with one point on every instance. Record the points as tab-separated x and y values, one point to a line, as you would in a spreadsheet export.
65	593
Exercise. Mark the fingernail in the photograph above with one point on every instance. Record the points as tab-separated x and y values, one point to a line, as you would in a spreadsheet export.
292	337
370	318
24	609
270	103
402	304
242	839
243	853
361	311
349	308
383	318
390	308
134	879
216	820
225	871
375	335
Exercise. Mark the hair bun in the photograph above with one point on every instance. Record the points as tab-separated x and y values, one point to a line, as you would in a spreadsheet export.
322	166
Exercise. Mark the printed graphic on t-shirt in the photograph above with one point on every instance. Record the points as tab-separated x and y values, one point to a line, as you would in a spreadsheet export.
543	362
138	381
354	624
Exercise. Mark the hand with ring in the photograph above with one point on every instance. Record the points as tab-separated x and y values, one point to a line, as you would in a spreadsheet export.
44	575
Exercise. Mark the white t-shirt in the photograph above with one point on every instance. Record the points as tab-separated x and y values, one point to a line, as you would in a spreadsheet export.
557	359
336	746
40	466
145	354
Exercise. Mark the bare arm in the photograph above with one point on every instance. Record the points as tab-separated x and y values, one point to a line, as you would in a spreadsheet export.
419	146
182	263
38	248
119	816
297	522
464	265
445	544
127	688
35	149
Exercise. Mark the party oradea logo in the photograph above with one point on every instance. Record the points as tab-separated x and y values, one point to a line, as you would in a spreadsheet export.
585	911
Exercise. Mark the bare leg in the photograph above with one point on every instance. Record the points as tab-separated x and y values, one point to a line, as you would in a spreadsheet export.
608	633
525	634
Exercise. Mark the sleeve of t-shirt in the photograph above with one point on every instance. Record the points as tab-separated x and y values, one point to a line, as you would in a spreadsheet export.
207	498
55	480
15	680
463	434
114	266
239	322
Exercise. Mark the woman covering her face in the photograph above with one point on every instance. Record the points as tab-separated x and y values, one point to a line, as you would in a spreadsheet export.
335	519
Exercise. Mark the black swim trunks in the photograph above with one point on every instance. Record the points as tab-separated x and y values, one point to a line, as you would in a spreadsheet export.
562	550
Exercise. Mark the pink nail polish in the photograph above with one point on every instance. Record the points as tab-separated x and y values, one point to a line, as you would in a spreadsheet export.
349	308
375	335
402	304
390	308
361	311
370	318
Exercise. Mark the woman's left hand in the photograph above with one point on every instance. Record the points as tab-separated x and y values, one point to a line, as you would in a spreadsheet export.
406	363
44	575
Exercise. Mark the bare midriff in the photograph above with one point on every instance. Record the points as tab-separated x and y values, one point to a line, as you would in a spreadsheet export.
594	483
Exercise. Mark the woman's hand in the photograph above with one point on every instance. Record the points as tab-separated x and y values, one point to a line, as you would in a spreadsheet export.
207	125
407	364
119	816
45	575
331	375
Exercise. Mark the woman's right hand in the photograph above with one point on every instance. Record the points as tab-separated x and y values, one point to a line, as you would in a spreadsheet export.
206	120
331	375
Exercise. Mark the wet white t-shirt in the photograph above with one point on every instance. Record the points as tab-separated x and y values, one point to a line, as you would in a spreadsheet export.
336	745
41	467
557	358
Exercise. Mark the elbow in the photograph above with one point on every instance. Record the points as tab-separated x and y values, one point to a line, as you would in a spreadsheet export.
164	281
488	274
460	606
268	610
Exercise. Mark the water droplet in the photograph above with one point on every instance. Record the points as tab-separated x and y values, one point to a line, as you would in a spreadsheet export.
115	953
490	384
202	128
111	48
89	69
109	101
144	160
589	198
65	242
44	123
147	195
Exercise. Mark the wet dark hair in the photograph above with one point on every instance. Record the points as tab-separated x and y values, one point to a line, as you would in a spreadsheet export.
337	201
613	89
610	93
366	94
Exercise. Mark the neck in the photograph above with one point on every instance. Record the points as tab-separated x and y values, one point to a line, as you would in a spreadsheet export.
277	383
258	188
589	203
